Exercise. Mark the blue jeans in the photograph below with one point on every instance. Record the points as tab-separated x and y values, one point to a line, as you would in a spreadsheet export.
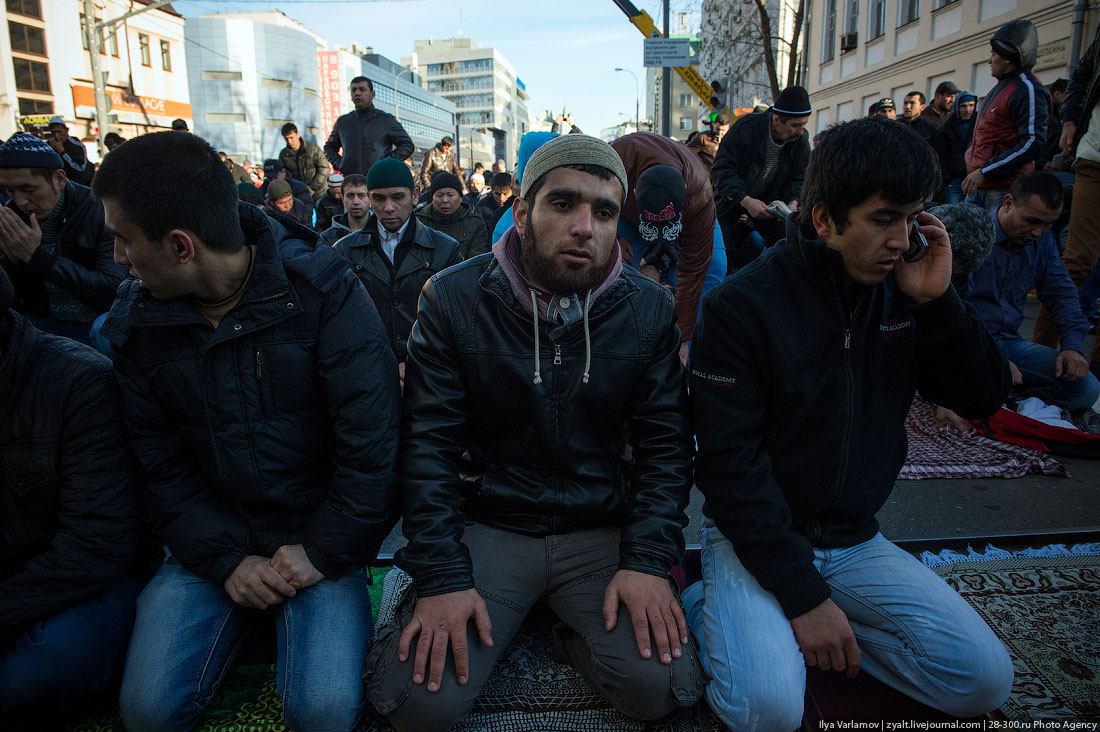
988	198
1036	365
67	657
188	632
1090	291
915	634
954	192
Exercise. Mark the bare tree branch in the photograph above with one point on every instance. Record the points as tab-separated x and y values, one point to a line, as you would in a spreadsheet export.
769	54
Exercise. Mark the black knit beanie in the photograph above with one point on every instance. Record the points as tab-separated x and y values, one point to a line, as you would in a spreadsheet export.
443	179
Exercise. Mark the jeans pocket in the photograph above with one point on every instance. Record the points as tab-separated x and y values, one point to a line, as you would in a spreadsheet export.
388	681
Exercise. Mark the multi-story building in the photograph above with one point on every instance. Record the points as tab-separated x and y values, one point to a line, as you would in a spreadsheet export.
483	86
250	74
427	117
859	52
732	47
45	68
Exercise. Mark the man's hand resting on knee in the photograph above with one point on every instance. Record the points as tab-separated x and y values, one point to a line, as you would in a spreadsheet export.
651	604
826	639
441	619
292	563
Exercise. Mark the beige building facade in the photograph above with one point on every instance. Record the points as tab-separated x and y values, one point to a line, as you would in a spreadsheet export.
45	69
863	50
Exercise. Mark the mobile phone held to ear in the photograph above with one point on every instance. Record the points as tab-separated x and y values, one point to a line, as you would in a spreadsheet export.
918	245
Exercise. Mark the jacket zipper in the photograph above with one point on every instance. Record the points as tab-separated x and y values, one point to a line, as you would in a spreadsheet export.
259	366
557	354
850	413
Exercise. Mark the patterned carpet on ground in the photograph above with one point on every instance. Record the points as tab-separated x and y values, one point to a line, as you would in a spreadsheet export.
937	451
1043	603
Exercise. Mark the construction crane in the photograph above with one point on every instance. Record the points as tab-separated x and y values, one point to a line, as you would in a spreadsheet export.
641	20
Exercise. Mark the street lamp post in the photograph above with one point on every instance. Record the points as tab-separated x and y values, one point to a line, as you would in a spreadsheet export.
397	92
637	119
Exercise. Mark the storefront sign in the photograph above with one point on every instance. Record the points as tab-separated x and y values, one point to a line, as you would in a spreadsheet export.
130	108
332	90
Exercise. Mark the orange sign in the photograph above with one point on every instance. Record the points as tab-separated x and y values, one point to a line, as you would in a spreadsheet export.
119	101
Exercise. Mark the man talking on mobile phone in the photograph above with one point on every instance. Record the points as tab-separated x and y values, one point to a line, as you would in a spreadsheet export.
803	368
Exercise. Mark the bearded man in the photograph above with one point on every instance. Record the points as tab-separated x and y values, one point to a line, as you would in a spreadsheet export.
545	341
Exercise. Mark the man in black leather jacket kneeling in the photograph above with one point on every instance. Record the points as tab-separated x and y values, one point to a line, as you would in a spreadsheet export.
548	362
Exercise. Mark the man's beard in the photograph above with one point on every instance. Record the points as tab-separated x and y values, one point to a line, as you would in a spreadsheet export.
544	269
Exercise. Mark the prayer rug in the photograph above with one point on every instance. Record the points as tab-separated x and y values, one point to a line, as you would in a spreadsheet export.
943	452
1044	604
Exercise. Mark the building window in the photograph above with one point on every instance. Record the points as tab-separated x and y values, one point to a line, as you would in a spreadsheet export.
276	83
224	117
942	4
27	39
25	7
687	123
828	42
877	20
310	92
143	46
685	100
34	106
112	41
221	76
31	76
851	24
165	56
84	36
908	11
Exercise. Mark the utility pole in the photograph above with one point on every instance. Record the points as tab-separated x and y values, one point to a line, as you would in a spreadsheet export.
666	85
95	45
92	29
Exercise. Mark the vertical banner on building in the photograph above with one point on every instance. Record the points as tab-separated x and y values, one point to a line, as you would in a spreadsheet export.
328	73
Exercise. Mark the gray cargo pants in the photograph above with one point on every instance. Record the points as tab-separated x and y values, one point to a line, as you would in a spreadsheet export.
569	572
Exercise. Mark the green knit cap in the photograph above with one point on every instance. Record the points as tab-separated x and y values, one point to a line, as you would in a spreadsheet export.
389	173
572	150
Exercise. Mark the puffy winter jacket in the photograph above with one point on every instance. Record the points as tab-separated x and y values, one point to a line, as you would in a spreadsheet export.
360	139
278	427
551	452
801	383
68	513
1012	120
639	152
396	292
464	226
83	265
308	164
328	208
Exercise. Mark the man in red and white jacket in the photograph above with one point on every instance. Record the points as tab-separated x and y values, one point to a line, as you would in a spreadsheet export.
1012	120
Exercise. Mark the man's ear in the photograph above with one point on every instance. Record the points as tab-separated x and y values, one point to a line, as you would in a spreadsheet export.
182	243
519	214
823	223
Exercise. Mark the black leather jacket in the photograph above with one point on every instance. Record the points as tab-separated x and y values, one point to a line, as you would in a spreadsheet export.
395	293
1083	90
551	453
360	139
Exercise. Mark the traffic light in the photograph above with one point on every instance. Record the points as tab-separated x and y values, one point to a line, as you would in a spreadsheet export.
717	100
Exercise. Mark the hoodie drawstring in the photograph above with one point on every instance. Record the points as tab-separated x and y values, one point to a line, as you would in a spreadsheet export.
535	318
587	340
